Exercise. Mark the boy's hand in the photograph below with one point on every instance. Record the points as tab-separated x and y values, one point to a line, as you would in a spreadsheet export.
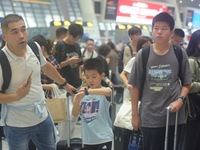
176	105
78	97
23	90
136	122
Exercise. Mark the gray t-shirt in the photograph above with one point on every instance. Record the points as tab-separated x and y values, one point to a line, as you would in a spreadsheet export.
162	86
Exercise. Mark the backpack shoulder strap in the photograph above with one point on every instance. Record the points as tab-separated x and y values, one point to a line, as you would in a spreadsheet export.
34	48
6	71
179	56
84	51
145	56
130	49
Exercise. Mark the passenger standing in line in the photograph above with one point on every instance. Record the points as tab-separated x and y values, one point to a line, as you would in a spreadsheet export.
191	133
96	123
142	42
24	113
177	37
103	53
68	55
124	76
89	51
61	33
113	62
134	33
47	51
159	91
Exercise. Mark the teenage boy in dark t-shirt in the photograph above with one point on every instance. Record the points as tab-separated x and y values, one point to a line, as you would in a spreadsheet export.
162	87
68	54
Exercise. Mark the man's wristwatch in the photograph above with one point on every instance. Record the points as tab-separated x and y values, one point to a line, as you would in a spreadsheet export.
183	99
65	83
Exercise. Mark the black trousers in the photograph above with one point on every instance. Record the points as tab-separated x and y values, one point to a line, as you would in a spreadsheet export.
98	146
190	137
154	138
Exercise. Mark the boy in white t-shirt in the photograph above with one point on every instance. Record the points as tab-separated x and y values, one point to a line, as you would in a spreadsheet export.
93	106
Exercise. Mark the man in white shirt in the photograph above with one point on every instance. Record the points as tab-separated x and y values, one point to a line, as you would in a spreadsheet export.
24	113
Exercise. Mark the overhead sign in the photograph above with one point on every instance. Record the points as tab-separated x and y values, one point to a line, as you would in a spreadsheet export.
36	1
138	12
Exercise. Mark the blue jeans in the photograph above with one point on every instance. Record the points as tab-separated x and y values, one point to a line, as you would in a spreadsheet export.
42	136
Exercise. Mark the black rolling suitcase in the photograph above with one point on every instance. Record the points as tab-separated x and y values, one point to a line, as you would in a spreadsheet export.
121	138
69	144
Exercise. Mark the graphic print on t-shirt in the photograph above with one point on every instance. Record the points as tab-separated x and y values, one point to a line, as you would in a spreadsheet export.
89	110
159	77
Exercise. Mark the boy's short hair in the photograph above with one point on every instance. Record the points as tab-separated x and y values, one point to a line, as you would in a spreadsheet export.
93	64
10	19
179	32
60	31
134	30
75	30
164	17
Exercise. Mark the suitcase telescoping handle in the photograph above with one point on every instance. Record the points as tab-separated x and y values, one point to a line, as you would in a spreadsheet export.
68	119
167	128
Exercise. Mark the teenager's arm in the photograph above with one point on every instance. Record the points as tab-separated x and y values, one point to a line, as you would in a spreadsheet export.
123	77
134	103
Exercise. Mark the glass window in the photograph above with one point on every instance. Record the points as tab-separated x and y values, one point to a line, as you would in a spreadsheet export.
36	5
17	9
48	19
26	4
28	10
56	17
46	11
6	2
42	24
1	13
31	22
8	8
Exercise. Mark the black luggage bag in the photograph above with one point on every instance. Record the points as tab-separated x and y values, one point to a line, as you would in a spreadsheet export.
121	138
69	144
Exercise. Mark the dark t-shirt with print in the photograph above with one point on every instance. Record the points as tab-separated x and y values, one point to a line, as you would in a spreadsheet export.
70	72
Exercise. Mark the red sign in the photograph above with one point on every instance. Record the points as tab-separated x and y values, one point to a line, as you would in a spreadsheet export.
138	12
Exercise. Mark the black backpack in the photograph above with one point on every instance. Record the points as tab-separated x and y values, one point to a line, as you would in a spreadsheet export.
121	58
145	56
6	69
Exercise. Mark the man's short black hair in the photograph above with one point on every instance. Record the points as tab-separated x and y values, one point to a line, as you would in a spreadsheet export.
75	30
89	39
93	64
104	50
164	17
134	30
179	32
60	31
